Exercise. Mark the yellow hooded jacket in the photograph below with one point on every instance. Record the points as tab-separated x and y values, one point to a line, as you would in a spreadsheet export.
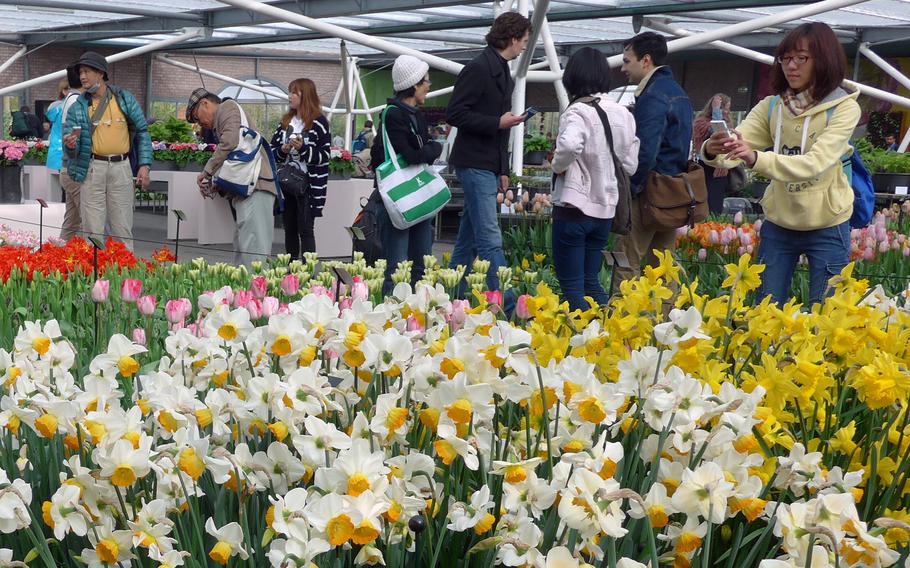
809	189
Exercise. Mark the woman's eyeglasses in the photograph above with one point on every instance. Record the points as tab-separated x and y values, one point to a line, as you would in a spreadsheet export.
799	59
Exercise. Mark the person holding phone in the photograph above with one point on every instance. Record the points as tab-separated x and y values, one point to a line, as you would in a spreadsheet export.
101	128
481	110
713	118
807	123
302	140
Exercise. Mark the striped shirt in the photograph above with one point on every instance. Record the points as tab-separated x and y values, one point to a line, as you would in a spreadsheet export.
313	157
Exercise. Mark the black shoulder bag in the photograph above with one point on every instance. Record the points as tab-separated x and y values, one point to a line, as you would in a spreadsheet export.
622	219
291	178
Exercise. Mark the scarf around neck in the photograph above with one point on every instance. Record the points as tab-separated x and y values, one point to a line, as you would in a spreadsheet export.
798	103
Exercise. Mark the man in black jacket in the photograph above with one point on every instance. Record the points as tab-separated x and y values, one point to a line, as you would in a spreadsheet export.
480	109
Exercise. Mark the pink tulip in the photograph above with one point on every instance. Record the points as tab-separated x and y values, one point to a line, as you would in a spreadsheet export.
254	306
146	305
702	254
290	285
883	246
750	249
259	287
242	298
176	311
130	290
905	251
413	324
319	290
868	253
359	289
738	218
746	239
493	297
270	306
459	311
228	293
139	336
345	304
100	291
713	237
284	309
521	307
682	232
757	226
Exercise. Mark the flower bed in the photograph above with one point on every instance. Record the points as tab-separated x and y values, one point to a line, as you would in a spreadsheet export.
285	420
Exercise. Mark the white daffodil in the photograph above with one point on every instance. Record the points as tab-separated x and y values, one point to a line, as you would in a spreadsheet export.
122	463
230	326
229	542
356	470
704	492
683	326
119	358
34	341
448	447
464	516
67	513
15	498
390	421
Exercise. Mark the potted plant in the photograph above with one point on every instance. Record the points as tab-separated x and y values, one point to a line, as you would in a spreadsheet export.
889	169
536	148
11	154
756	187
172	130
163	158
341	165
36	155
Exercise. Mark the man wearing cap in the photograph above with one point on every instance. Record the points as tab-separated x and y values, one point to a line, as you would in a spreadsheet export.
254	214
481	110
101	128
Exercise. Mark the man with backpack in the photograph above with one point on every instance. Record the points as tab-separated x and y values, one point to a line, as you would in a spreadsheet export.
102	127
25	124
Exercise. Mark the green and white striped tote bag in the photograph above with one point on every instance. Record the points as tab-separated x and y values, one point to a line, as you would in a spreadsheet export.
411	194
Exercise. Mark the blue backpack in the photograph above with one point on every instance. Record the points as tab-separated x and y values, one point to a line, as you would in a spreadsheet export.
857	175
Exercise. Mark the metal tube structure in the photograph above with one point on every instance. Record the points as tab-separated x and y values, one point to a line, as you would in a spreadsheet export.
361	92
520	70
331	110
344	33
13	58
349	87
769	60
100	7
553	59
884	65
692	40
188	33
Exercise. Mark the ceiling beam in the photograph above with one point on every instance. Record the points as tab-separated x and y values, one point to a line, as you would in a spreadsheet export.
226	17
103	8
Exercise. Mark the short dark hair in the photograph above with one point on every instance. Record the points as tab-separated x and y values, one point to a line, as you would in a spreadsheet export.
505	28
829	62
587	72
212	97
648	43
24	108
409	92
368	124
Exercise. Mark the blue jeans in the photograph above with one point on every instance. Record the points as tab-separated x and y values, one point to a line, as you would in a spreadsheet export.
580	247
479	234
828	251
410	244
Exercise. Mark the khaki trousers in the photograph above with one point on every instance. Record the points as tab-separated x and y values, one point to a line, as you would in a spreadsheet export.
638	246
255	227
107	194
72	221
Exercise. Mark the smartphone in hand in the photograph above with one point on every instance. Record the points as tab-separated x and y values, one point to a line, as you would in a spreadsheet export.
529	112
721	126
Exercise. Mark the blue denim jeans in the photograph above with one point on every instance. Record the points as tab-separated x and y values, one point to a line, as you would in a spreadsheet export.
579	259
409	244
479	234
828	251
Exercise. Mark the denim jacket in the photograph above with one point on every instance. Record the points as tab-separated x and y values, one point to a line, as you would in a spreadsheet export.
663	119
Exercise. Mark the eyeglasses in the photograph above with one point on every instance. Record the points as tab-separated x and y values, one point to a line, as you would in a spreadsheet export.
800	60
425	81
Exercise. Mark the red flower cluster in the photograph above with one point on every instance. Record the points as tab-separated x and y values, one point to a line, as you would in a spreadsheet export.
75	256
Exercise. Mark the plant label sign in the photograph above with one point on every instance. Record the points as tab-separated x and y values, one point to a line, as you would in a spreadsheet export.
900	190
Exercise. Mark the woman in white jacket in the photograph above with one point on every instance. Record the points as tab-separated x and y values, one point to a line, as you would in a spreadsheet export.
585	192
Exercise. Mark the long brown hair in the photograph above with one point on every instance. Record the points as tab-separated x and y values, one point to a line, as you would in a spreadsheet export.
829	63
308	109
709	106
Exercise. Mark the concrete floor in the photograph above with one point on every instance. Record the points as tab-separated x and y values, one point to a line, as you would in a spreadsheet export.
150	230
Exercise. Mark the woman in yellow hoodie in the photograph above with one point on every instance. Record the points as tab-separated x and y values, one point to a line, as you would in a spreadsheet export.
797	138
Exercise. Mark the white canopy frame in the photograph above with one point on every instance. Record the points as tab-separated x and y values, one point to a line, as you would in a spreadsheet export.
895	74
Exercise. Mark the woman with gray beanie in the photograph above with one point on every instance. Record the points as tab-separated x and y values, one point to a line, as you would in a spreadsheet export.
406	127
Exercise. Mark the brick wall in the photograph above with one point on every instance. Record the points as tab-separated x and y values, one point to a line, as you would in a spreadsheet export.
168	82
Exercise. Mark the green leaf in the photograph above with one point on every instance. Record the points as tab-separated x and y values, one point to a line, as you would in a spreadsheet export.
485	544
32	554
